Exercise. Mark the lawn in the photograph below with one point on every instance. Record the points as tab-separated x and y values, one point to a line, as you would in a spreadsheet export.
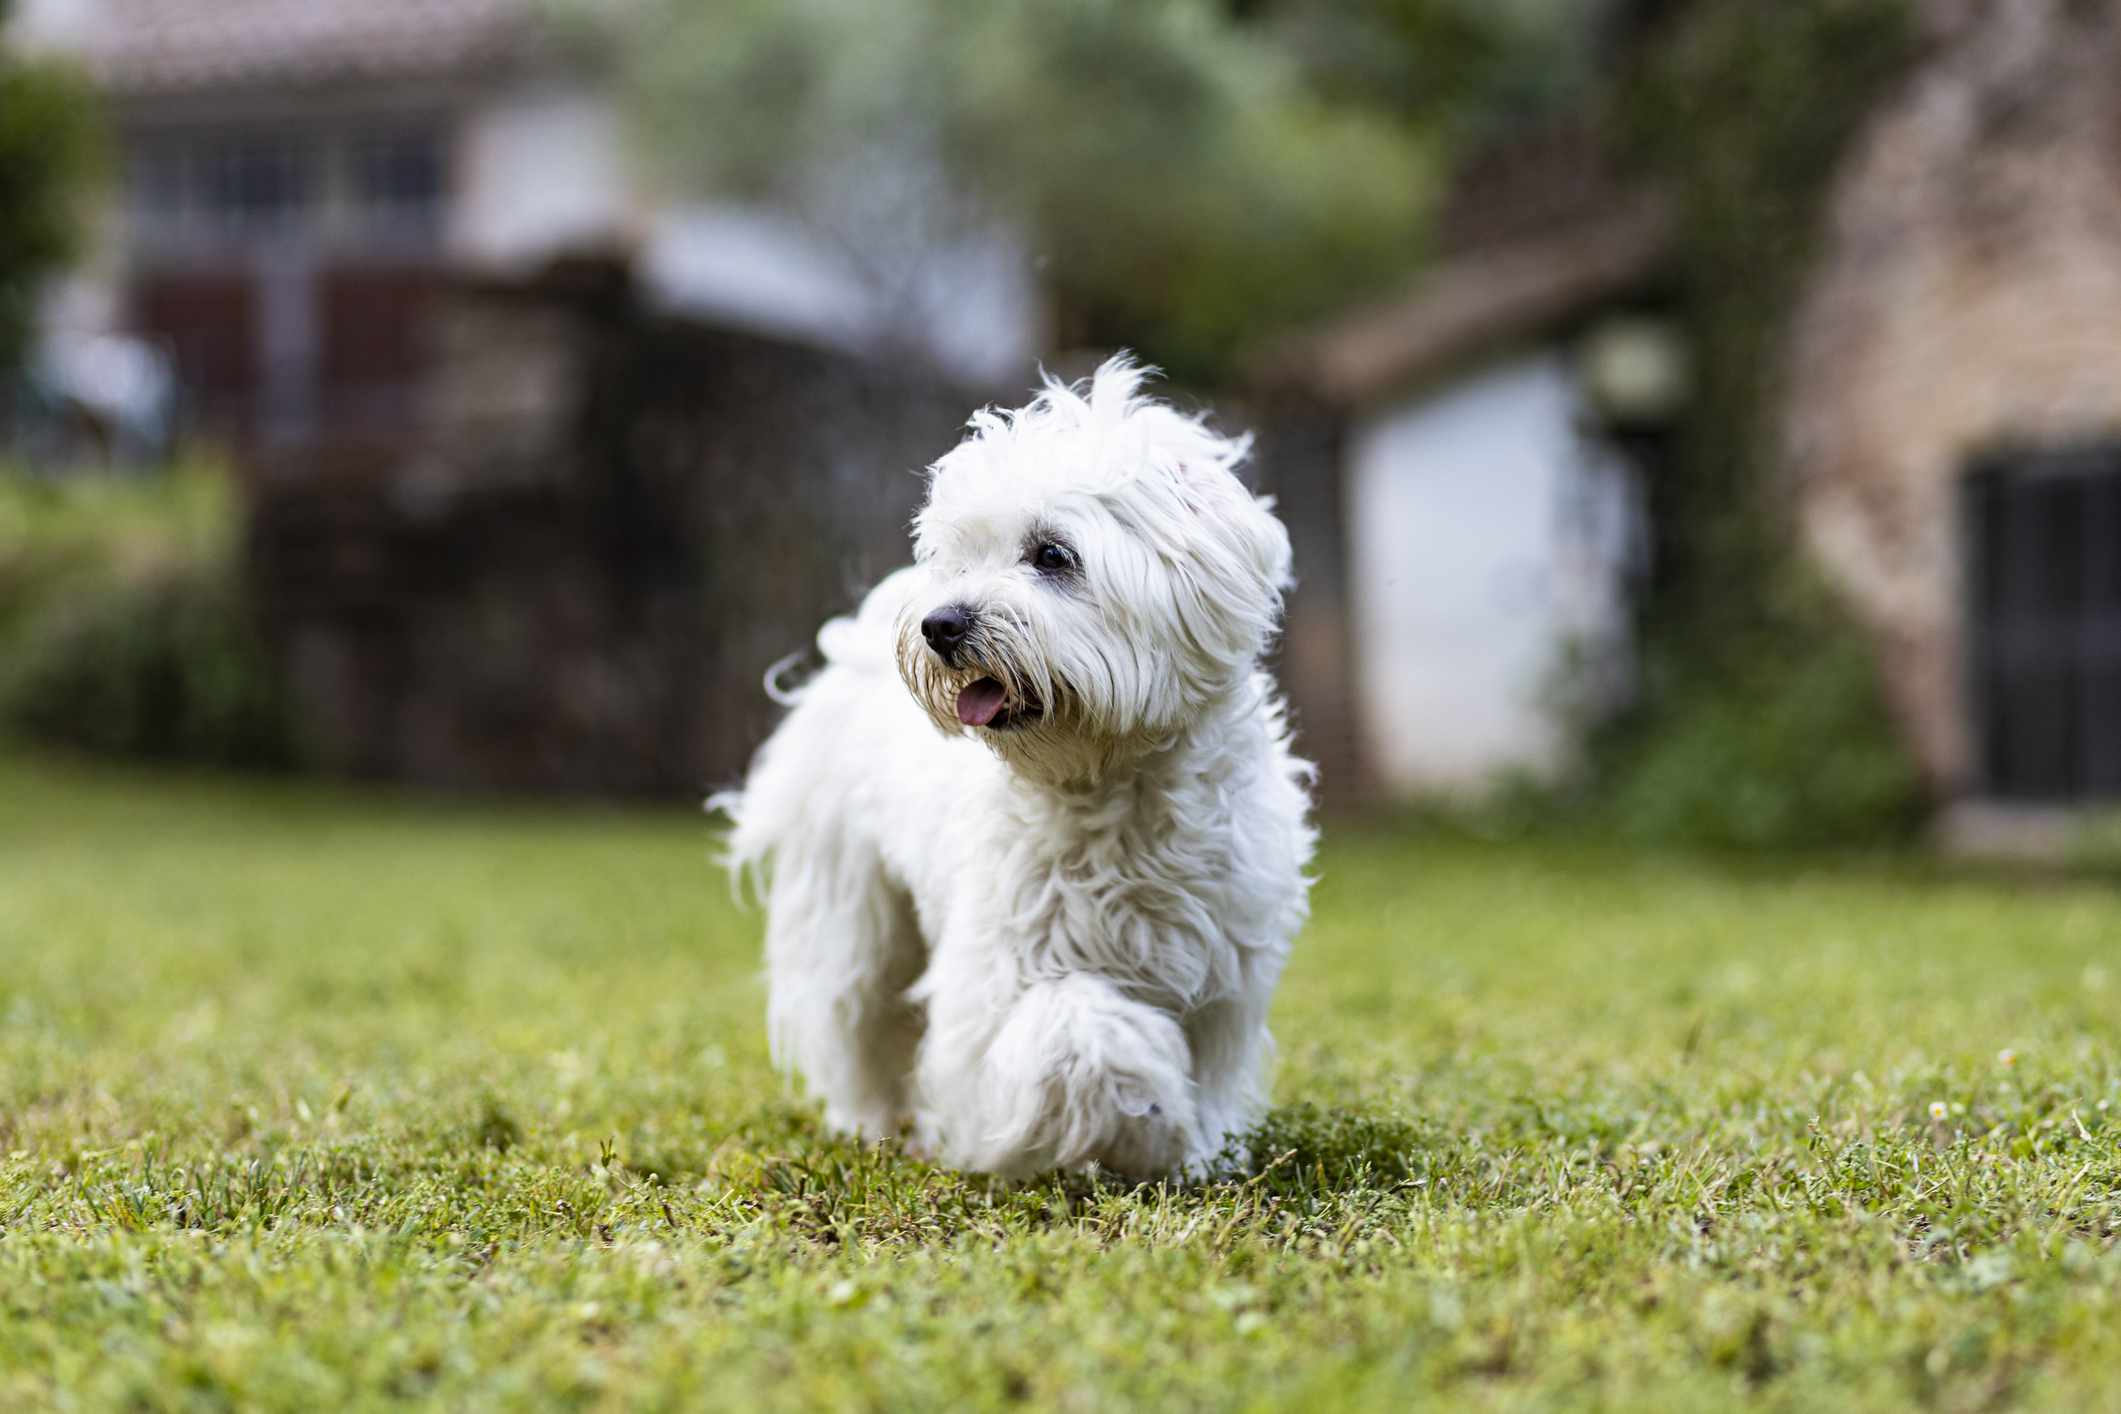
312	1098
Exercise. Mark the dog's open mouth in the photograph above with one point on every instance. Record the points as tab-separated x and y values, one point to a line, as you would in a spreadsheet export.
985	703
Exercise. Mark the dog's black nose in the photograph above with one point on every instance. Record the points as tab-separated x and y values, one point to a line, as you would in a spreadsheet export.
945	630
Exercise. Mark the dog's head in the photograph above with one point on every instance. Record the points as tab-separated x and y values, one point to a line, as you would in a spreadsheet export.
1095	576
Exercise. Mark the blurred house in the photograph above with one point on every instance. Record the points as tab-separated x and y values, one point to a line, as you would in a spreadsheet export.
539	517
1478	469
298	175
353	228
545	469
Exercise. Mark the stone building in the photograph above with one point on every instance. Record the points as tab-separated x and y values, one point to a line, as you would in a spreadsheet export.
1951	412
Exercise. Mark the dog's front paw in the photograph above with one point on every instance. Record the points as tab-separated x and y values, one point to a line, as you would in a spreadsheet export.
1078	1073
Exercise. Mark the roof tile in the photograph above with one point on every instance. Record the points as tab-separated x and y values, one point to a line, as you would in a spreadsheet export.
143	47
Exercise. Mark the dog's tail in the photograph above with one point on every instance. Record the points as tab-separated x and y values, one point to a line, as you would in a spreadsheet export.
779	688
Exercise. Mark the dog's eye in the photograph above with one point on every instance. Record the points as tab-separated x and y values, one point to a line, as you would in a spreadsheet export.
1052	558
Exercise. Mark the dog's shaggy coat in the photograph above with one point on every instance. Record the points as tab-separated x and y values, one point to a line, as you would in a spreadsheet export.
1033	841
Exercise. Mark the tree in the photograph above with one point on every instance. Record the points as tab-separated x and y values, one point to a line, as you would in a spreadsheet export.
1188	175
48	147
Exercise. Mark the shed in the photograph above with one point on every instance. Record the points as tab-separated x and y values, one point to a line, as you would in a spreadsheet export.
1487	525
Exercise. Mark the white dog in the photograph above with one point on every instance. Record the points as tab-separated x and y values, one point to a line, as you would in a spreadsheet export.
1033	842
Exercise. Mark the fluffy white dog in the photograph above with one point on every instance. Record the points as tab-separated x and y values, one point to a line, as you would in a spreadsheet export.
1033	842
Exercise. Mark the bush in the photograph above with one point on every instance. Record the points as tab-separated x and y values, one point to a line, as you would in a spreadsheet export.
59	538
170	666
1768	746
125	627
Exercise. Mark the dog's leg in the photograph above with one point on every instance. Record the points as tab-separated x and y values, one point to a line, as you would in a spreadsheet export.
842	946
1067	1071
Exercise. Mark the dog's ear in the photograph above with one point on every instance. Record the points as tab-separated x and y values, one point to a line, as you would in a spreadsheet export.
1245	523
1270	546
1230	580
1225	553
1264	540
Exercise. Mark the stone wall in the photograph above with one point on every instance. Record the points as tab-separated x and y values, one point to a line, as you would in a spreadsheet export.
1967	299
604	530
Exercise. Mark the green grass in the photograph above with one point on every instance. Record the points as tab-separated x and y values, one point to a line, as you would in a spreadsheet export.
314	1099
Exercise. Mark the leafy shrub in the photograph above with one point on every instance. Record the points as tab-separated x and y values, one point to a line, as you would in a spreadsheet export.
124	625
62	537
1766	745
169	666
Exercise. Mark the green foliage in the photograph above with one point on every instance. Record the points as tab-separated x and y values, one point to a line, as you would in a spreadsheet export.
49	148
1469	68
1766	724
311	1099
1746	110
1176	174
170	667
62	536
1775	749
124	627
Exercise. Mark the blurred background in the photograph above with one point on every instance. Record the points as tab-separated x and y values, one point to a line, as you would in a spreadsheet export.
1697	419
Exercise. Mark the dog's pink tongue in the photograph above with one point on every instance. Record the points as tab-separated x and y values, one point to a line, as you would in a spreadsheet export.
980	702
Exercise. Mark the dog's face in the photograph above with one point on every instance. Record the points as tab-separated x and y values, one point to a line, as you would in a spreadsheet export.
1095	577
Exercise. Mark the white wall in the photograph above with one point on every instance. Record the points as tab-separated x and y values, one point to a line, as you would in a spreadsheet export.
545	167
1486	538
973	308
539	168
52	24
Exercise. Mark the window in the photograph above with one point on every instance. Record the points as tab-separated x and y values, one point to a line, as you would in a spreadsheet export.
395	178
155	182
224	185
2043	531
257	182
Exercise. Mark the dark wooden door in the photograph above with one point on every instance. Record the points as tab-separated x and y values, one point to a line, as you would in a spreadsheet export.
375	323
2043	531
209	323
